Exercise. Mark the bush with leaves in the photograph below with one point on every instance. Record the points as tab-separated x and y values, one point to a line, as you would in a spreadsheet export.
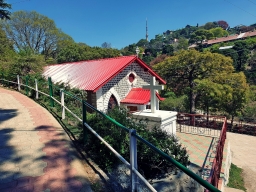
149	162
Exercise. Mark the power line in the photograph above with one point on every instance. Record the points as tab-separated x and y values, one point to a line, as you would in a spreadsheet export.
241	8
252	2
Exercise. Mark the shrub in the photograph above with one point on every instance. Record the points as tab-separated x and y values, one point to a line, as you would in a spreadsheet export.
150	164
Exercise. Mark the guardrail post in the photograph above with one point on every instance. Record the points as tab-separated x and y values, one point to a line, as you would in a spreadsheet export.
133	159
36	85
84	121
62	103
51	91
27	85
18	81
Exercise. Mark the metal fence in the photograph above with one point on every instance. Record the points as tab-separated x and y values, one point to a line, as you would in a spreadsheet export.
136	179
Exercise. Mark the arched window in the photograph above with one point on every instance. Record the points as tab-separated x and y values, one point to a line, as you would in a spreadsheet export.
112	102
131	77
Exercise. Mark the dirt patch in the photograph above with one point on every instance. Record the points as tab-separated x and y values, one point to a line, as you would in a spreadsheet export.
249	175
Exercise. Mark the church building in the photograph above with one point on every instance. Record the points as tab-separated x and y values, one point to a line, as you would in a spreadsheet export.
109	82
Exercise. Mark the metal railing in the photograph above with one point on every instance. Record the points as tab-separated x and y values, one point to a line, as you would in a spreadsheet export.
132	133
214	126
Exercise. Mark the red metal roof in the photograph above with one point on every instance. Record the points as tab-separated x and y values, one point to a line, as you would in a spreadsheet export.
139	96
93	74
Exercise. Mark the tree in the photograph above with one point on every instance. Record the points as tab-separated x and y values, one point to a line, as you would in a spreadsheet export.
209	94
28	62
4	14
182	44
158	59
236	94
7	53
186	68
210	25
80	51
70	53
230	53
242	50
200	35
106	45
223	24
34	31
218	32
167	49
142	43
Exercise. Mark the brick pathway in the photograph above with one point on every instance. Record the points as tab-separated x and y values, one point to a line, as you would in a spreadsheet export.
35	152
201	150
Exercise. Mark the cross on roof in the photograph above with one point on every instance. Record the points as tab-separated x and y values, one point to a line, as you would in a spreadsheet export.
152	87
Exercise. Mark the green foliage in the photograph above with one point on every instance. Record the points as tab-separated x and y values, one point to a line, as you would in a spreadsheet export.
7	53
218	32
78	52
200	35
186	67
28	62
242	50
173	103
210	25
235	178
182	44
149	163
4	13
29	29
168	50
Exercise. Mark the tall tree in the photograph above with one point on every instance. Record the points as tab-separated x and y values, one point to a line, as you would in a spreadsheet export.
242	50
236	94
4	13
210	25
183	70
7	53
218	32
34	31
223	24
106	45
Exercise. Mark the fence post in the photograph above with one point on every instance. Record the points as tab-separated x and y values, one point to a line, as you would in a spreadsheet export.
3	78
62	103
27	85
133	159
51	91
18	81
84	121
36	88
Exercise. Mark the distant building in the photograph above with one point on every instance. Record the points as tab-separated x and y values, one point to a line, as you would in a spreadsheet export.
227	39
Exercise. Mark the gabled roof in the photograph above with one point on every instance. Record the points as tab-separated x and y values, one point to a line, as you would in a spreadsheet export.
139	96
93	74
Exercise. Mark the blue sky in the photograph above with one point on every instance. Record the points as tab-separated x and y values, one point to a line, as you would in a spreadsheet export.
122	22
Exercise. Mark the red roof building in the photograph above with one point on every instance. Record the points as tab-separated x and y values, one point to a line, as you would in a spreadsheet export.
227	39
108	82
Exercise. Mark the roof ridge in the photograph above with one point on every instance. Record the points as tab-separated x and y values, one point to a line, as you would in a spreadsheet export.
111	58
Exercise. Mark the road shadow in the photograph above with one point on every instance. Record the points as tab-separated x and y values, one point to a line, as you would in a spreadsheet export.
6	114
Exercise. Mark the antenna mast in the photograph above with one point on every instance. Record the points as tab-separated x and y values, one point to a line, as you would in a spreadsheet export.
146	29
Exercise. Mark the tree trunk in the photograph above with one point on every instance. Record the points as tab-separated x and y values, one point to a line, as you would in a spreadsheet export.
232	120
192	99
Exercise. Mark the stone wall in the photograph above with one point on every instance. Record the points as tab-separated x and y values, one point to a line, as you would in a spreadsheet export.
120	85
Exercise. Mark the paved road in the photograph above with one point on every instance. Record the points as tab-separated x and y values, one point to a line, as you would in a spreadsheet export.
35	152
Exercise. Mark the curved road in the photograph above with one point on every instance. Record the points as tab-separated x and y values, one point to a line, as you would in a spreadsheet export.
35	152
